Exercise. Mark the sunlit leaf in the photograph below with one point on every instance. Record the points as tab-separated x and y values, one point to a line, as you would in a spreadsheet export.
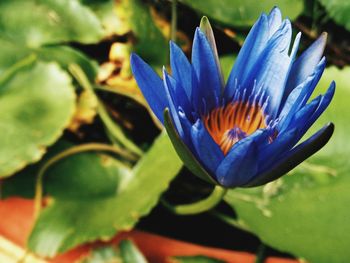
309	205
37	103
68	222
13	52
106	12
49	21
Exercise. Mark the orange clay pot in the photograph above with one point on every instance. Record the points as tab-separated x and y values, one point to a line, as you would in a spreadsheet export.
17	219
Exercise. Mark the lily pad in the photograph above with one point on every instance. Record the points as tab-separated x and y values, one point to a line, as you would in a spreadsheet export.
339	10
106	12
40	22
12	52
37	103
68	222
243	13
304	213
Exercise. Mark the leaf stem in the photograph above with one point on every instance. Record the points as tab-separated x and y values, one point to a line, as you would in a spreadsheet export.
198	207
260	255
173	20
113	128
14	68
66	153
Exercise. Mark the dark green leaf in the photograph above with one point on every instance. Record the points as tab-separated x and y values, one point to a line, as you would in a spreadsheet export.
150	43
243	13
339	10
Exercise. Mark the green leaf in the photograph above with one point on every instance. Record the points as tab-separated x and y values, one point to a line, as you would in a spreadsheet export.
107	254
37	103
40	22
130	253
150	43
127	253
227	62
69	222
308	206
243	13
106	12
12	52
339	10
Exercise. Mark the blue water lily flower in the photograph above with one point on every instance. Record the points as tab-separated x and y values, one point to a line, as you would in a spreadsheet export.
242	133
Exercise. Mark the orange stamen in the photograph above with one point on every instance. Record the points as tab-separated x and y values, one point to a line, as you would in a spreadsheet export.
244	117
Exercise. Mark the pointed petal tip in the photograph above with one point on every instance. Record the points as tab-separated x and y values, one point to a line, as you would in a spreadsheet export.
275	9
133	56
205	26
172	44
275	14
135	61
330	92
321	42
204	21
324	35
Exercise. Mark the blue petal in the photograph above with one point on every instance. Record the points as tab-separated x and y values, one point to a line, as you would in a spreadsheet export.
272	68
181	68
305	64
300	148
306	116
179	96
298	118
292	158
186	127
150	84
209	84
270	152
240	164
300	95
169	84
274	20
207	150
249	53
325	100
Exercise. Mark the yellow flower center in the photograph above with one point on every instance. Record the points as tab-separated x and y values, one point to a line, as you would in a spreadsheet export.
233	122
